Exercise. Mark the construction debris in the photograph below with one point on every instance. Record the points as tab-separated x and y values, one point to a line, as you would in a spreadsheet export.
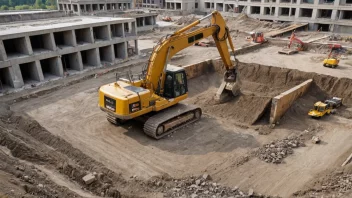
185	20
275	152
315	140
88	179
347	161
199	187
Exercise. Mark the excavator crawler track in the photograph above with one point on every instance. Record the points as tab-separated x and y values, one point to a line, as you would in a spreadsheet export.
171	119
113	120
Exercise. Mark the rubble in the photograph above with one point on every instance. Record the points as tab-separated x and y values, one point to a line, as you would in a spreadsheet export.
199	187
88	179
185	20
335	186
316	140
275	152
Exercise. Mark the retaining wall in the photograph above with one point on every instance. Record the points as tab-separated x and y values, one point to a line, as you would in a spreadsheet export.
281	103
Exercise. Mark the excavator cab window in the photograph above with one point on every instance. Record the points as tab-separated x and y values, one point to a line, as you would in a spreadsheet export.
175	84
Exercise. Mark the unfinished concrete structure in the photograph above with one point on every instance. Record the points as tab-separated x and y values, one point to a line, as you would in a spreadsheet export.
153	3
35	51
79	6
144	21
189	5
324	15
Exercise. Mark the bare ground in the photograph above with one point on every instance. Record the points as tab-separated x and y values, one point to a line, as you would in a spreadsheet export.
222	143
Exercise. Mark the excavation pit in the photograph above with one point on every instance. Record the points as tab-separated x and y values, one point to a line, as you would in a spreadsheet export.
221	142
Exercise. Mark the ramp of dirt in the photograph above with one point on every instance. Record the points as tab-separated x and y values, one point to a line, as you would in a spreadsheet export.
245	109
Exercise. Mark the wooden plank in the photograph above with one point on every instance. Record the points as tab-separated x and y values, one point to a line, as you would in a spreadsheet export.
348	160
284	30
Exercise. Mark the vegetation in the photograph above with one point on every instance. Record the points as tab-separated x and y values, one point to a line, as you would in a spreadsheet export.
27	4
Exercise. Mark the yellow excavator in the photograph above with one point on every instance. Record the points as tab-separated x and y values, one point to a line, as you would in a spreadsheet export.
155	97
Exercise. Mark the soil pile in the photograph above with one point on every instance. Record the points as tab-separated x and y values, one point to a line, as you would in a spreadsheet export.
248	24
26	140
243	109
186	20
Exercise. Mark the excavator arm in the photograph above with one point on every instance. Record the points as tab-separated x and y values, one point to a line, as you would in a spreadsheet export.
183	38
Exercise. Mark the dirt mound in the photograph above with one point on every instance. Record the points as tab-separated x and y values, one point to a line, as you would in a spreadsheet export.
247	24
186	20
244	109
27	140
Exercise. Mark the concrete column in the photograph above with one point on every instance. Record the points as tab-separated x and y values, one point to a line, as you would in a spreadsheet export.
49	41
248	10
27	47
93	57
334	15
109	33
16	76
316	2
76	61
314	13
56	66
79	11
37	71
299	2
70	37
289	12
336	3
136	46
91	36
298	11
3	55
125	50
277	9
261	10
143	21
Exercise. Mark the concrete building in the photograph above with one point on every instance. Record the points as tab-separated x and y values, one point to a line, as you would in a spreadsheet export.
186	5
78	6
325	15
144	21
153	3
32	52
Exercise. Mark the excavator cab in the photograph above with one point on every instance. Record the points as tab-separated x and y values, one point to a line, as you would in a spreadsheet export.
175	82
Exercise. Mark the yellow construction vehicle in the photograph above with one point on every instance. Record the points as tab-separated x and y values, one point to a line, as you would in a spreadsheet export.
333	57
155	96
320	109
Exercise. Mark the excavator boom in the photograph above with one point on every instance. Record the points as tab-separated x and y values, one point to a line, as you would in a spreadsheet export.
180	39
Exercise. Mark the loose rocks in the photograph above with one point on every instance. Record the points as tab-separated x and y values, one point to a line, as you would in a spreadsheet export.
276	151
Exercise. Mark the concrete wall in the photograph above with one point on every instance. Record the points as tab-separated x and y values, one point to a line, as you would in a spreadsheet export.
281	103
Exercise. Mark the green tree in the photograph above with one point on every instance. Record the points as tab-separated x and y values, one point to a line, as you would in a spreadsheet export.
38	4
4	7
50	2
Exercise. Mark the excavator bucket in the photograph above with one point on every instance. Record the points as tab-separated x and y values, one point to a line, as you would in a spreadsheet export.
230	87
